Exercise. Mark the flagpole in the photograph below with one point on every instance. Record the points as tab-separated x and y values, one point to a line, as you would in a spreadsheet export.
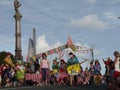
92	53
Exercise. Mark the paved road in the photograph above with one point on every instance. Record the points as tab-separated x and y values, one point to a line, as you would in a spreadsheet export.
58	88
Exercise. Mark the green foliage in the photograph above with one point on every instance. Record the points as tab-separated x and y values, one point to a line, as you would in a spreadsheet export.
3	55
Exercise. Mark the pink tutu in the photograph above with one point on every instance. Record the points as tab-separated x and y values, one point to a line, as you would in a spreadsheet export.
62	75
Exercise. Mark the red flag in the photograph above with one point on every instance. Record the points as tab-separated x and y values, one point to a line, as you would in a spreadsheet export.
70	44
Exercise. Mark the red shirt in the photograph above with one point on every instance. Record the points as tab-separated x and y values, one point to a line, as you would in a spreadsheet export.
106	62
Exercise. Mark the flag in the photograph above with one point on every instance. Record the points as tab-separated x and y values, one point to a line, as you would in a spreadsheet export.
70	44
30	49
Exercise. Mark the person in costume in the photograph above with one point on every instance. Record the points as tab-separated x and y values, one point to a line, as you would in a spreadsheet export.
62	72
97	73
91	68
71	61
20	73
97	68
81	77
55	68
109	66
91	71
6	68
44	67
87	76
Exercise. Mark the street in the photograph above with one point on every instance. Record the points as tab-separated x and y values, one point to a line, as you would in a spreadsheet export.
58	88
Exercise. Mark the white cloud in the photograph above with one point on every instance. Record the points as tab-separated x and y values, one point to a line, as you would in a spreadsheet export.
42	44
89	22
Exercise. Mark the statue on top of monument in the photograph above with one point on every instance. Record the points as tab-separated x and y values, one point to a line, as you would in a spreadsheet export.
17	5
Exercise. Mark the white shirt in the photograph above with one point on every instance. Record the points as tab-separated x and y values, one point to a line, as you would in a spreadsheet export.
117	64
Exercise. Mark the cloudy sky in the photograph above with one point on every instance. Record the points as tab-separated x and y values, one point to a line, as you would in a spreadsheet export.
89	22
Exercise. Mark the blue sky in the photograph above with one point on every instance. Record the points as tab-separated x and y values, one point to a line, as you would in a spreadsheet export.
89	22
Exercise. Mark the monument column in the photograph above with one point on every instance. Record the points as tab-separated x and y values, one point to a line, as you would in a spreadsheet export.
17	16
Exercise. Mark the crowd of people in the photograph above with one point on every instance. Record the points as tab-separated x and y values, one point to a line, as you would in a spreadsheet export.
62	72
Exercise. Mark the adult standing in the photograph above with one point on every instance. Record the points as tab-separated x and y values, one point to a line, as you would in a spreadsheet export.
116	73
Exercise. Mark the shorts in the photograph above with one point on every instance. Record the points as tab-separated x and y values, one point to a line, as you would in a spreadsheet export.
116	74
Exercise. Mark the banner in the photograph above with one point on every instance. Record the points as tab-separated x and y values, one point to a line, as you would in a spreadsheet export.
55	50
69	44
33	77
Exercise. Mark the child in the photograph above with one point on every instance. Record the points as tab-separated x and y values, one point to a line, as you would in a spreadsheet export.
55	71
62	72
71	61
44	67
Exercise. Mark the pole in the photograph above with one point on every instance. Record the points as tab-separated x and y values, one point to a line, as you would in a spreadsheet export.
34	41
92	53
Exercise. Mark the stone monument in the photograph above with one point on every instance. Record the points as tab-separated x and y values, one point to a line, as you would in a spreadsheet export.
17	16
